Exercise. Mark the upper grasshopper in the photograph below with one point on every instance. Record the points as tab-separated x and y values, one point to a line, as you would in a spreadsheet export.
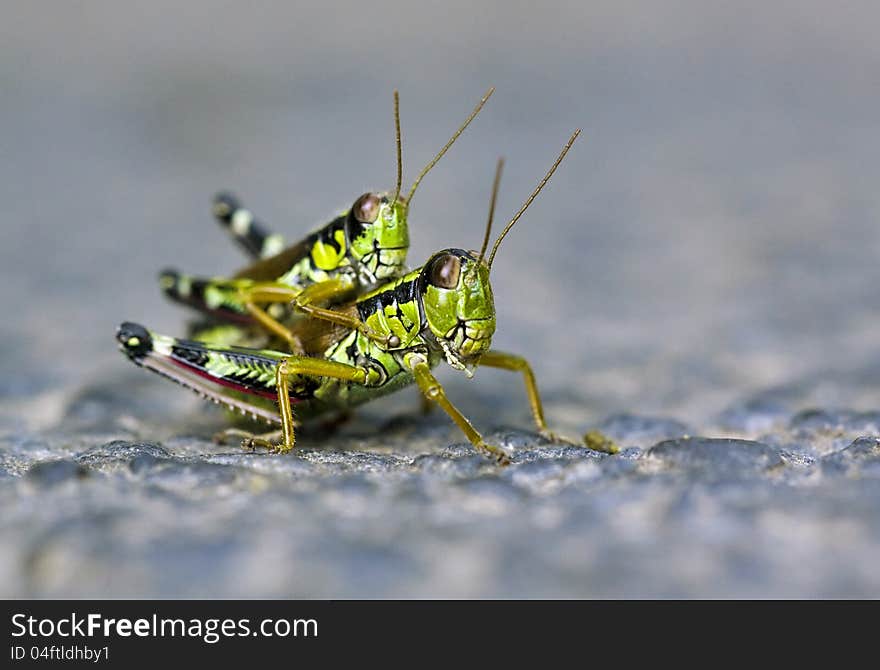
352	254
443	310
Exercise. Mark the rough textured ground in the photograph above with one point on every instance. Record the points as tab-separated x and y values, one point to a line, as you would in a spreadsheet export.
699	281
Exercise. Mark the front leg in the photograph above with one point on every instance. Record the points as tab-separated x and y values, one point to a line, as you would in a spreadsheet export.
434	392
334	290
497	359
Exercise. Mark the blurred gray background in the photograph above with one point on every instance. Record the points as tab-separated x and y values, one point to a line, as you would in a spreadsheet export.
703	263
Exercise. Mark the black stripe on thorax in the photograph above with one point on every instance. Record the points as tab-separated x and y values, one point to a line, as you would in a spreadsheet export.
397	294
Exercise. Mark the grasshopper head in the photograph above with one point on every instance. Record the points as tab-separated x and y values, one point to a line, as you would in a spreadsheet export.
378	234
377	223
458	303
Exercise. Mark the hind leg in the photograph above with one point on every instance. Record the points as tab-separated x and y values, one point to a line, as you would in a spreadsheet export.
252	236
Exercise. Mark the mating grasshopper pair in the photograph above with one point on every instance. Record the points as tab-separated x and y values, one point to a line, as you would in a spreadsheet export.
336	320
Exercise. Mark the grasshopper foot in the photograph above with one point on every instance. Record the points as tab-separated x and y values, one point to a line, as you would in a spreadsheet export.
497	454
595	440
251	442
559	438
598	441
269	442
230	436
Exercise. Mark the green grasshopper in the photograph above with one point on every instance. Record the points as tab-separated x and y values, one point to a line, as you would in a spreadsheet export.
442	310
354	253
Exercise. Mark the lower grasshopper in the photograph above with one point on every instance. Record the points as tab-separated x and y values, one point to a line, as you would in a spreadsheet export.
354	253
442	310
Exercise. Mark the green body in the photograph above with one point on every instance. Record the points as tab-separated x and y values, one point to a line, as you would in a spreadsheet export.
432	322
363	253
386	339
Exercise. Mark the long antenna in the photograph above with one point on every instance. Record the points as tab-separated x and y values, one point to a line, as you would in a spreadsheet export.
533	195
399	154
498	168
454	137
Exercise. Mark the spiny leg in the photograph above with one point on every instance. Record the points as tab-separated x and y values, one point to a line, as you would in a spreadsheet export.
497	359
214	371
251	235
228	375
434	392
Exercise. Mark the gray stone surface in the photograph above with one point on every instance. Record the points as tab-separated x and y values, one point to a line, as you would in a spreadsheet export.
699	281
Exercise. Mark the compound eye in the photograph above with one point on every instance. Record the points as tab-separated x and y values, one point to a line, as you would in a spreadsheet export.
445	271
366	208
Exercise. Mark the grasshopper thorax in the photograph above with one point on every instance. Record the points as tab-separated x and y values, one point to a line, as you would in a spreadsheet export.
378	235
458	305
